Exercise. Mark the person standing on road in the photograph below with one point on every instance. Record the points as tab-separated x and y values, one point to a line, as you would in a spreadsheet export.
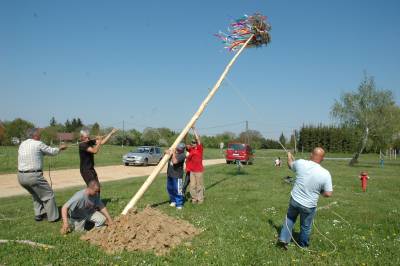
87	149
85	206
311	181
195	166
30	175
174	176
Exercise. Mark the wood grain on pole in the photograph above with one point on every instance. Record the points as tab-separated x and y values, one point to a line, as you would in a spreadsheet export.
181	136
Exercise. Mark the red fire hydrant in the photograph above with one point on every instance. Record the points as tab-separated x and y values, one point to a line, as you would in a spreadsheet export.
364	177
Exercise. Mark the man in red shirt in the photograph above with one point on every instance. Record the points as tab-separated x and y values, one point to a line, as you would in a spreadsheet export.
194	165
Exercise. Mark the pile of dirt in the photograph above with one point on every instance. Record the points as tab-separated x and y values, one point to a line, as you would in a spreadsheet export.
148	230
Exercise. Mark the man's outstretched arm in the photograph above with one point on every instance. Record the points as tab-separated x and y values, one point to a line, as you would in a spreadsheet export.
290	160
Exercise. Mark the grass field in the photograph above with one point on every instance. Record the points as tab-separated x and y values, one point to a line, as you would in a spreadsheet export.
241	218
108	155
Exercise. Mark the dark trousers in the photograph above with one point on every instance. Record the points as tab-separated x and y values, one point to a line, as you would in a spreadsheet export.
186	183
89	175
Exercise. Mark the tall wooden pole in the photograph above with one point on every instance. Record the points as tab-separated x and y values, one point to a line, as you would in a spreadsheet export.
179	139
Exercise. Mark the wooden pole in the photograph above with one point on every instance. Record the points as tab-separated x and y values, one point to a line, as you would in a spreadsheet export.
179	139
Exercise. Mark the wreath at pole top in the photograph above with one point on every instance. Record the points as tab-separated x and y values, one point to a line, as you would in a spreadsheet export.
240	30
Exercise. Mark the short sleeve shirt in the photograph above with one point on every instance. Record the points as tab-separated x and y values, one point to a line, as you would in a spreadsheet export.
81	206
195	159
311	180
86	158
176	170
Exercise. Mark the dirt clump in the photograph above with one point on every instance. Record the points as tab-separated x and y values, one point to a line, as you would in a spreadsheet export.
148	230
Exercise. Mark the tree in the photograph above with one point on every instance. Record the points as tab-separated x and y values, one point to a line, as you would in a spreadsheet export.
2	133
367	110
68	127
16	129
150	136
255	138
53	122
282	139
95	130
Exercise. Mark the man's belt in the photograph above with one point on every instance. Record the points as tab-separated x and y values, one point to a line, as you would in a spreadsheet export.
31	171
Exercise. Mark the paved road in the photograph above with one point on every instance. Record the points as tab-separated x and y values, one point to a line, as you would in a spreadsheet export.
9	185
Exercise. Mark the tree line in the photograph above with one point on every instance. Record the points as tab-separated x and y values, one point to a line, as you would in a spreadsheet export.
366	120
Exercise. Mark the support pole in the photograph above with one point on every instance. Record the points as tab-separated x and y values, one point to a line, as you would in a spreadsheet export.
192	121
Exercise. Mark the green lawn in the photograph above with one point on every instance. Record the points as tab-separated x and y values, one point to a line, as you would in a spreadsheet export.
240	217
108	155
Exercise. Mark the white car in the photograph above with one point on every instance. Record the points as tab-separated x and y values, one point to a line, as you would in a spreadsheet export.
143	155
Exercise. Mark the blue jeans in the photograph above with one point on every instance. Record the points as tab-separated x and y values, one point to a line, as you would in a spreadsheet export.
306	219
174	188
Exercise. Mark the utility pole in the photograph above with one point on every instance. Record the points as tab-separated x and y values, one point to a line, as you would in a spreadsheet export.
123	133
247	132
294	135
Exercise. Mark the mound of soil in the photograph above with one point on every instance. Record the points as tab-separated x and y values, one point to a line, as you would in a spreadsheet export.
148	230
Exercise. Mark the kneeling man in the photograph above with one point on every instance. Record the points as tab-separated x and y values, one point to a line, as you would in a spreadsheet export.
84	206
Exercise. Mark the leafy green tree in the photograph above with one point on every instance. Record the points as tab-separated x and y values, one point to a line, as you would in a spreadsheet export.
2	133
150	136
16	129
53	122
95	129
254	137
367	110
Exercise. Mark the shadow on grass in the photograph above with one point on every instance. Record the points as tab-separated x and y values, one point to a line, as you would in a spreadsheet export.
154	205
217	183
187	195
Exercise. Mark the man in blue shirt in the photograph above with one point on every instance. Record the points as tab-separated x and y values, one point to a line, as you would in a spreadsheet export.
311	181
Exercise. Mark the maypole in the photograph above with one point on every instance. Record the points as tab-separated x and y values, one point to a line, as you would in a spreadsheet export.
248	31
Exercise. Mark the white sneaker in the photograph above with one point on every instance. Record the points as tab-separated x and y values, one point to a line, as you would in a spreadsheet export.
172	204
179	208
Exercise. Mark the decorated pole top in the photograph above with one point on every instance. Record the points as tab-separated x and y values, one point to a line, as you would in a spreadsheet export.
240	30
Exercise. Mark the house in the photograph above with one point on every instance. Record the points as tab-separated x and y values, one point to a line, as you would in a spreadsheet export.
65	137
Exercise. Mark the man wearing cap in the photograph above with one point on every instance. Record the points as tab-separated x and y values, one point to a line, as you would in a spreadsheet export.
174	176
194	165
30	175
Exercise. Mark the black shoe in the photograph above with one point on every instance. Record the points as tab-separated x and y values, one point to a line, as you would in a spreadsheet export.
282	245
38	218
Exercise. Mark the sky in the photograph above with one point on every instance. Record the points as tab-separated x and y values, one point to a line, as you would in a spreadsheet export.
151	63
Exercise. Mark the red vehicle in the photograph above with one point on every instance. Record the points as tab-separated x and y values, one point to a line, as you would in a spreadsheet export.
239	152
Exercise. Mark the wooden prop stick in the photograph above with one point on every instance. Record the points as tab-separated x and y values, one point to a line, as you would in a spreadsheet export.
192	121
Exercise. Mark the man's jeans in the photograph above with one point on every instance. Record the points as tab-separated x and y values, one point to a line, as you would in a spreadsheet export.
306	218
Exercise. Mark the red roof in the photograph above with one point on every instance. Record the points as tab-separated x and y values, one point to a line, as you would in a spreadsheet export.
65	136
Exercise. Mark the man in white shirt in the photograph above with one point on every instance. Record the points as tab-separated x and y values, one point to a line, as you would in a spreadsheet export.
311	181
30	175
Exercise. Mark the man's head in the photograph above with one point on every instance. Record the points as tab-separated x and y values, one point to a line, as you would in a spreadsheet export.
34	133
84	134
317	155
93	188
193	143
180	147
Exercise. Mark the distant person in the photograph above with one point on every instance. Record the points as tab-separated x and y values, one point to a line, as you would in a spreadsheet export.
278	162
364	180
87	149
195	167
221	147
85	206
174	176
311	181
381	160
30	175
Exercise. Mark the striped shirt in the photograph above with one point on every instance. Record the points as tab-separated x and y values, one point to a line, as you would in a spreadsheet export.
30	154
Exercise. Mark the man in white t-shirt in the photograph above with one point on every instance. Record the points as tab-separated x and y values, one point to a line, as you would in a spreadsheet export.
311	181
